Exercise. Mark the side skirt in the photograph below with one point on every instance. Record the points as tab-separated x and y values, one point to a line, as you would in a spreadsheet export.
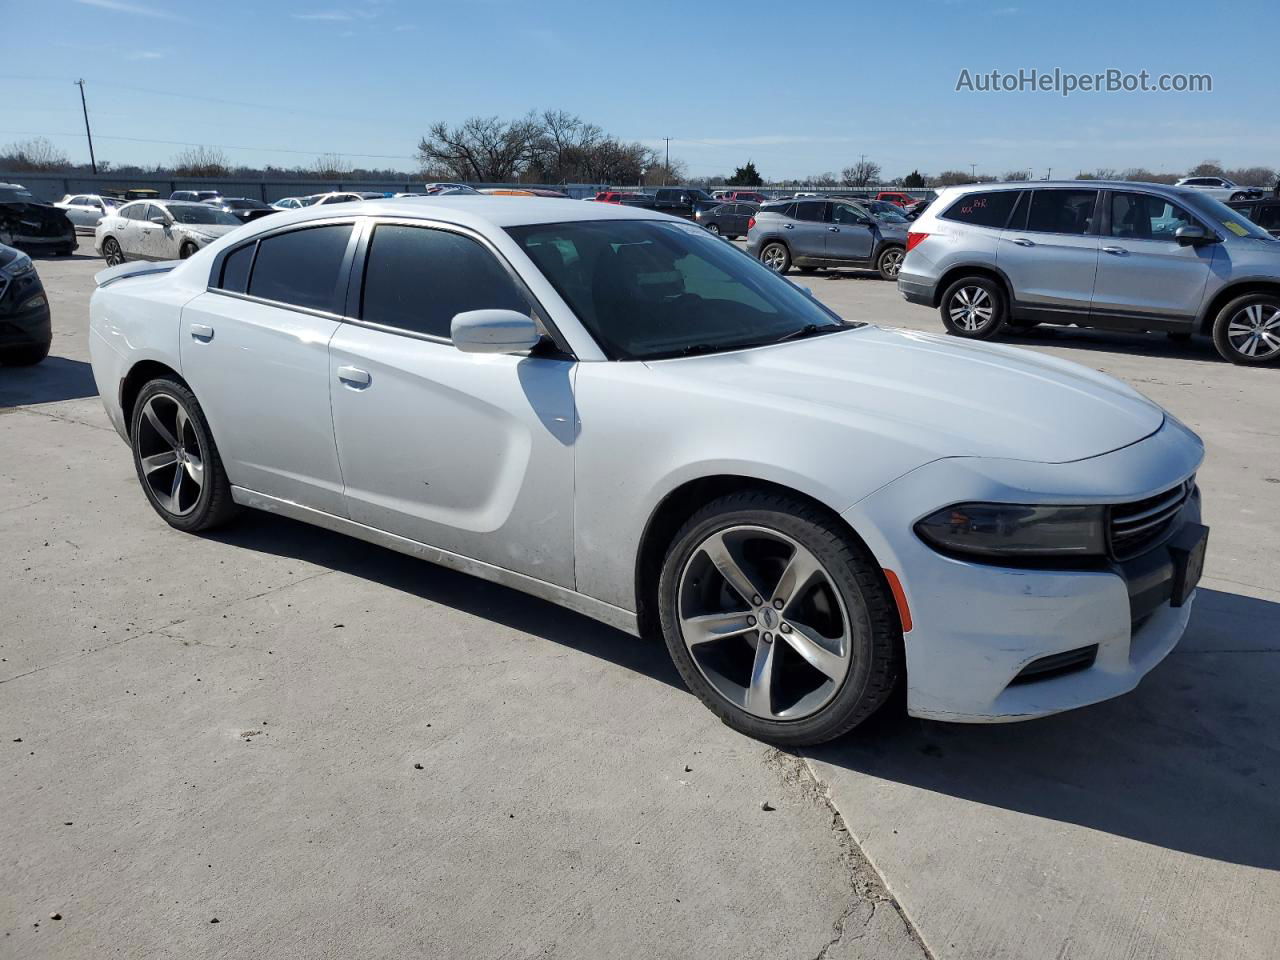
569	599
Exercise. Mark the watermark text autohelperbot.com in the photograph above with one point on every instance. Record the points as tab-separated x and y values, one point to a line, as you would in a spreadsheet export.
1065	83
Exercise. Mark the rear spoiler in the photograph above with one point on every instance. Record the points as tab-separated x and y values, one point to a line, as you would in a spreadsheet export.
112	274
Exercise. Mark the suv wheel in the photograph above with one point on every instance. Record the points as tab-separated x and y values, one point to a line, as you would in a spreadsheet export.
890	262
1247	330
776	257
176	459
973	307
778	619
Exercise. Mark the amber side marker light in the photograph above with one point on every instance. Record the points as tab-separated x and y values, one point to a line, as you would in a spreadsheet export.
900	598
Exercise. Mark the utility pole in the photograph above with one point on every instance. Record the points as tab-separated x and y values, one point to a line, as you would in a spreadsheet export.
667	168
973	170
87	132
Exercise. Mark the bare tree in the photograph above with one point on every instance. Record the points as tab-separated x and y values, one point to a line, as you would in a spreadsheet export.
950	178
33	155
1253	176
484	149
330	165
1142	175
1016	176
659	172
861	174
1208	168
201	162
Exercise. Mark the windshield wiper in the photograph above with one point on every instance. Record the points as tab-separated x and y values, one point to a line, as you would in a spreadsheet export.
809	330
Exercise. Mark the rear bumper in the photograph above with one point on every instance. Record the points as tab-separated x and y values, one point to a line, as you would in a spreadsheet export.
915	291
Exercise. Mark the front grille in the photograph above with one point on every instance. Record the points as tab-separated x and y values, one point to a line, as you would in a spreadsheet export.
1135	527
1056	664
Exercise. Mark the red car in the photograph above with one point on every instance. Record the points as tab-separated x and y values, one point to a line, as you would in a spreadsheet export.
614	196
744	196
900	199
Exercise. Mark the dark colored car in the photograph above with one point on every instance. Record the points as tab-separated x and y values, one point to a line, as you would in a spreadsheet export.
1265	212
25	330
195	196
743	196
683	201
816	232
141	193
729	219
242	208
29	224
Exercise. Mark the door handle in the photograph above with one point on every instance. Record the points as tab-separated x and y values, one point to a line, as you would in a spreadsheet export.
1115	251
833	229
202	332
786	226
354	377
1023	242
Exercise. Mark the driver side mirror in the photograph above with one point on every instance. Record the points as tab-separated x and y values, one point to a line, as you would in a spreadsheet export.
1191	234
494	331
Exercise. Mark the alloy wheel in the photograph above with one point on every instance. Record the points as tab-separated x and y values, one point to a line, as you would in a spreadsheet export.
774	257
1254	332
171	457
891	262
764	623
971	308
714	228
112	253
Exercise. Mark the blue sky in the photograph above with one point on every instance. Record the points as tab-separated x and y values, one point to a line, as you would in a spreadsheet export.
728	81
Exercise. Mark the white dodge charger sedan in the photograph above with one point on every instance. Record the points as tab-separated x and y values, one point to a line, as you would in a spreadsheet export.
613	410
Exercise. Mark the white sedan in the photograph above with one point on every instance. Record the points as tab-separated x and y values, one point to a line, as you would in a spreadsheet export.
84	210
159	230
611	409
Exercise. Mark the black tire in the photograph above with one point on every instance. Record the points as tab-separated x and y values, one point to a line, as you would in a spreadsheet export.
26	356
807	270
213	506
187	250
713	228
776	256
66	251
890	262
875	634
112	253
980	325
1239	196
1240	311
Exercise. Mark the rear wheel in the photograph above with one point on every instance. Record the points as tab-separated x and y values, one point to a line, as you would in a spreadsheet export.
1247	330
973	307
111	252
778	619
176	459
776	257
1239	196
890	262
187	250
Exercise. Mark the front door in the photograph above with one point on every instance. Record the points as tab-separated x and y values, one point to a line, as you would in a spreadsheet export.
1143	272
806	232
469	453
850	235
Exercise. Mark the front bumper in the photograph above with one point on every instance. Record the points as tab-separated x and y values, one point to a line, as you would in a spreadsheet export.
976	627
24	312
33	244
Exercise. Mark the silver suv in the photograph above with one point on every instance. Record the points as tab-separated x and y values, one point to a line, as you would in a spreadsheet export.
1126	256
818	232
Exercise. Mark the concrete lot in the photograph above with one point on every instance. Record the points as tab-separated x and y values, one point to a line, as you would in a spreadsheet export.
231	727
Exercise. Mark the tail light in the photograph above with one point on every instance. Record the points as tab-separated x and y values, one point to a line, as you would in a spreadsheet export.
751	224
914	239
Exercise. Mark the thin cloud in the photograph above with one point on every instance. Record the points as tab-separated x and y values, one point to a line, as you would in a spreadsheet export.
335	16
120	6
147	55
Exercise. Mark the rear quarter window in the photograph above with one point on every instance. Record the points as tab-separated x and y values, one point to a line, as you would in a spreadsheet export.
990	209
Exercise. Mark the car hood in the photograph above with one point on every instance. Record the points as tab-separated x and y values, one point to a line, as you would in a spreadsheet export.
34	212
949	397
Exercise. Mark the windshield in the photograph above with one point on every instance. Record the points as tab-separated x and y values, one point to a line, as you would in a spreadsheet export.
652	289
199	213
884	210
1231	220
247	205
12	194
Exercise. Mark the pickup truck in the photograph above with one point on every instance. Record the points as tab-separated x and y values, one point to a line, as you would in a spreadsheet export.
684	202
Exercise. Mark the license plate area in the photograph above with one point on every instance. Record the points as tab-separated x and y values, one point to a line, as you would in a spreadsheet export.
1187	550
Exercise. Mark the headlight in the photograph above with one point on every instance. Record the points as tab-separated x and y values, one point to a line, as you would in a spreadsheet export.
1012	531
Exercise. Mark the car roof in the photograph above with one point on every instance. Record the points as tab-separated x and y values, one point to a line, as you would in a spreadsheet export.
474	211
1077	184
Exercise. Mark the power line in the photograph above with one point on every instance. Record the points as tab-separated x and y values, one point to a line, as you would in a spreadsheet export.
220	146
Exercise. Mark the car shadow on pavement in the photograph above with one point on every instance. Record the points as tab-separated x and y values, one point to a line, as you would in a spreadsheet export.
1189	761
281	536
51	380
1117	341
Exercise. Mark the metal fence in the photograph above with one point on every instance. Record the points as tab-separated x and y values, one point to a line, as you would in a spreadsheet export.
52	187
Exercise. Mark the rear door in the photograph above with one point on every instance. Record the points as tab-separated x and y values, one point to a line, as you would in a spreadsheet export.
129	231
255	350
806	232
1144	274
1049	252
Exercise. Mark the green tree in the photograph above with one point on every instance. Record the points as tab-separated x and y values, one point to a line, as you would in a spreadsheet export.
747	176
914	180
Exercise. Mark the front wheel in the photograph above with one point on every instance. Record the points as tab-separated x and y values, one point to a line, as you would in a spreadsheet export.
890	262
187	251
1239	196
111	252
176	459
1247	330
713	229
778	620
776	257
973	307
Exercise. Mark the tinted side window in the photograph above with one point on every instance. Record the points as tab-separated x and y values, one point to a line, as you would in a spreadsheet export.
235	269
1062	211
416	279
1267	216
810	210
1141	216
301	267
983	209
